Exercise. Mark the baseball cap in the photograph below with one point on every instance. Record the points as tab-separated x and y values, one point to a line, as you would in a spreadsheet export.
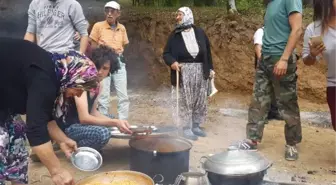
112	4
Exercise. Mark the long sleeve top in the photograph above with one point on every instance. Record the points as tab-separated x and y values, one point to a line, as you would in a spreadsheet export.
28	86
176	51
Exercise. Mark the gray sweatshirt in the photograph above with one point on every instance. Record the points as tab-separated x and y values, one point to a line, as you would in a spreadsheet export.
55	23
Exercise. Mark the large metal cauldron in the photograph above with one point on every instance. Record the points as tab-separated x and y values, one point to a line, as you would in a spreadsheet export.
125	177
160	155
236	167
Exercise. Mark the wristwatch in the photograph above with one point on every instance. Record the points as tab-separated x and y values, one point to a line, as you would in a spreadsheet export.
282	59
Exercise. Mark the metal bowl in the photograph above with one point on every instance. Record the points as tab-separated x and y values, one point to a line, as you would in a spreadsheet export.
117	176
87	159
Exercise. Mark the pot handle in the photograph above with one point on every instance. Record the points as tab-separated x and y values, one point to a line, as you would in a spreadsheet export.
178	180
202	161
158	175
205	157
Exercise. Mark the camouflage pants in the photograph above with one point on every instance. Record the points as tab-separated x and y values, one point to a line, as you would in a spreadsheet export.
274	108
286	94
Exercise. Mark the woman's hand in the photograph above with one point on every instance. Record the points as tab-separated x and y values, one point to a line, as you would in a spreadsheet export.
176	66
317	49
62	177
212	73
68	147
123	126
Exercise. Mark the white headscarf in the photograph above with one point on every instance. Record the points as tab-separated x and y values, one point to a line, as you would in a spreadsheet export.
188	18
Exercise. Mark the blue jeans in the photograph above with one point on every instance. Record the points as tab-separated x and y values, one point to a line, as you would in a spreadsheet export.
119	79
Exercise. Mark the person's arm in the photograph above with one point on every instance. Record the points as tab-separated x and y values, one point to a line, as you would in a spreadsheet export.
56	133
307	58
167	56
309	52
31	29
94	36
257	40
80	23
208	46
257	49
294	9
40	101
67	145
86	118
125	40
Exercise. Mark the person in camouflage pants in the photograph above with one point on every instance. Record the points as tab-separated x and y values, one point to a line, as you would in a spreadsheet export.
276	73
285	90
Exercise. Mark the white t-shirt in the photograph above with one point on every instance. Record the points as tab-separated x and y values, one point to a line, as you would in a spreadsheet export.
329	39
258	36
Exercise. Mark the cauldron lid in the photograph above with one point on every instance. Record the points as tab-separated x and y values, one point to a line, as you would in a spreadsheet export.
235	162
161	144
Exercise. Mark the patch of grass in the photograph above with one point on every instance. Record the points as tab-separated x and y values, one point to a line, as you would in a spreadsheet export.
253	9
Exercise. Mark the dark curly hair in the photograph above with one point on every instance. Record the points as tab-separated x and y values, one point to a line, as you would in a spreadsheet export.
104	54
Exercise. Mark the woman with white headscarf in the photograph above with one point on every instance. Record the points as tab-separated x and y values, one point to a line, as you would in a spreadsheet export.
188	52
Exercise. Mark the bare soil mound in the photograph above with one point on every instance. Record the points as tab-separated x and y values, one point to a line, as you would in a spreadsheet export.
148	29
232	51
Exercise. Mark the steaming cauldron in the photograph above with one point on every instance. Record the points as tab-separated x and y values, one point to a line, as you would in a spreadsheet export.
236	167
160	155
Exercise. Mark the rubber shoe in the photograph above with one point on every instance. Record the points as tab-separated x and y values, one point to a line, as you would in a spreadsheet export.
188	134
245	145
291	153
198	132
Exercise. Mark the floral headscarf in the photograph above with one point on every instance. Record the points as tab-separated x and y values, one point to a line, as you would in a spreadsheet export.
74	71
188	18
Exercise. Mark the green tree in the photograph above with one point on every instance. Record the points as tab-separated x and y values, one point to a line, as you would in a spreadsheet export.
199	2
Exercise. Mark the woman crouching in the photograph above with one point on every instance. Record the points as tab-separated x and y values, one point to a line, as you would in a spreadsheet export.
188	53
38	84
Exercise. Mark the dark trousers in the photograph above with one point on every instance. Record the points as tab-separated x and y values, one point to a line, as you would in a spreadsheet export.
331	98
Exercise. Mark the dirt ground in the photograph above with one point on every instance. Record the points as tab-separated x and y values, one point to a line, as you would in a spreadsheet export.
317	150
232	53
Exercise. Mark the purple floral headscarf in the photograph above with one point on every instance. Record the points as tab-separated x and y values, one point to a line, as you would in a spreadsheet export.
74	71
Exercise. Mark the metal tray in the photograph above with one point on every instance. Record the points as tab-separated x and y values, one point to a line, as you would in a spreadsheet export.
117	176
87	159
154	130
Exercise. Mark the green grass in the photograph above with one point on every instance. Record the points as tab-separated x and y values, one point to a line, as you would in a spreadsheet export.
252	8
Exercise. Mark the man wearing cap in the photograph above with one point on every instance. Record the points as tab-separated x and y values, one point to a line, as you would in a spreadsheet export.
112	34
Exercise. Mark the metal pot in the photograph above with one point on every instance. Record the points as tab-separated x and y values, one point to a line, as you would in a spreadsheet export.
192	178
164	155
117	176
236	167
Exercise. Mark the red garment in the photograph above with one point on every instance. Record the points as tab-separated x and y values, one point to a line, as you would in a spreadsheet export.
331	98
